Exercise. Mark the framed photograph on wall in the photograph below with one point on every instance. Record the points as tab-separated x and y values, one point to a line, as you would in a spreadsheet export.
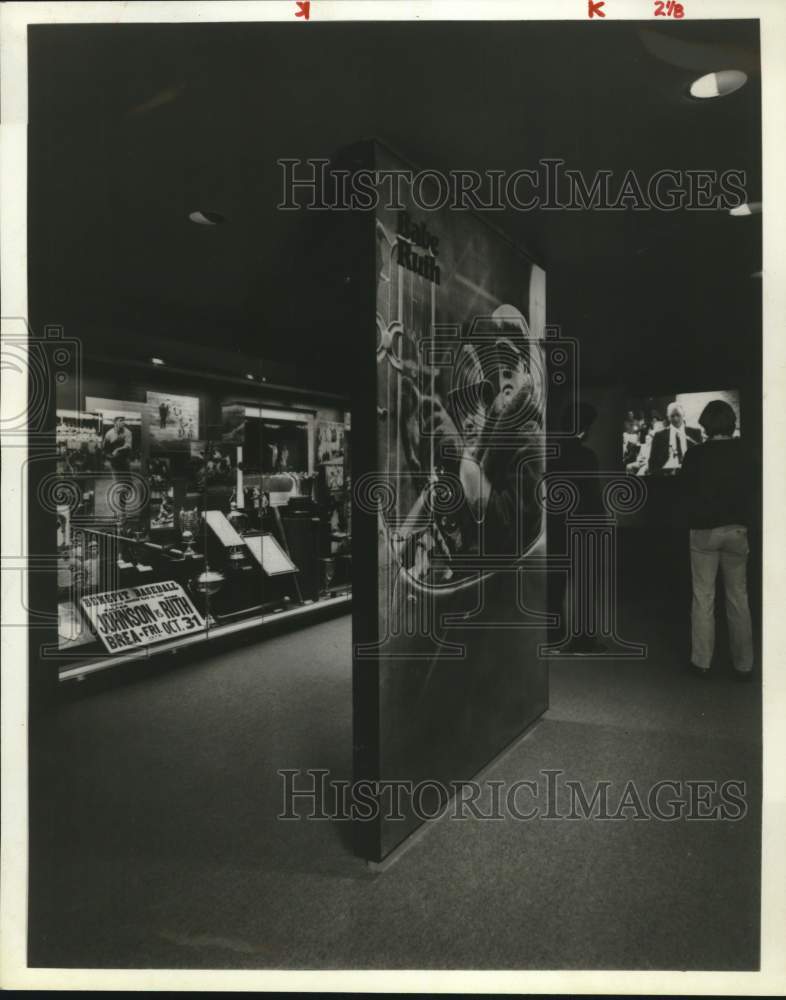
334	476
78	441
220	464
121	431
278	441
330	441
171	421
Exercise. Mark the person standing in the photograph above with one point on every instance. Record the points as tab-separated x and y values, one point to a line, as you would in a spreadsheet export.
716	483
570	597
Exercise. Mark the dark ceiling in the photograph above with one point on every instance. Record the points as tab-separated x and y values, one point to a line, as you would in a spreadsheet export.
133	127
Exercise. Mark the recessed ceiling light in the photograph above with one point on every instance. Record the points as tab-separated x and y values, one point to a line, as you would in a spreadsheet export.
249	376
747	208
207	218
157	361
719	84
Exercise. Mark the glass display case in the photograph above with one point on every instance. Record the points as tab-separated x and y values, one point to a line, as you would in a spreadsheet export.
181	517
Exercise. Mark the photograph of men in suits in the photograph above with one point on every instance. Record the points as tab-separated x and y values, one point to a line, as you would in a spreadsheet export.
670	444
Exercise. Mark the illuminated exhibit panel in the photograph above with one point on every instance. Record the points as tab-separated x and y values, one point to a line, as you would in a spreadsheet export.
658	430
177	514
446	664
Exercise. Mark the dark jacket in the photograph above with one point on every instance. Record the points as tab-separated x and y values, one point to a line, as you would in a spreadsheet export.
659	452
717	483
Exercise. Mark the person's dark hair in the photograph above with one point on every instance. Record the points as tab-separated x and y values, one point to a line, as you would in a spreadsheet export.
717	418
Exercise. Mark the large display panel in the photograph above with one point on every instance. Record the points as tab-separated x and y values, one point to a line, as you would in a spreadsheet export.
657	431
449	454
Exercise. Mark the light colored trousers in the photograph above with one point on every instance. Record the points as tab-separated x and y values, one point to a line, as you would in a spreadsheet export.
726	547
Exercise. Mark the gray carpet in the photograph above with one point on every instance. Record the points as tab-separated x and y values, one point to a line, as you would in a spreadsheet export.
155	843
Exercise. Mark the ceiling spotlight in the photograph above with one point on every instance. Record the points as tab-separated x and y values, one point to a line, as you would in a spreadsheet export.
249	376
747	208
157	361
207	218
719	84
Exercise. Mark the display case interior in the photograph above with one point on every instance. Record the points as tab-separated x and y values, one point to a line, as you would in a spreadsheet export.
183	512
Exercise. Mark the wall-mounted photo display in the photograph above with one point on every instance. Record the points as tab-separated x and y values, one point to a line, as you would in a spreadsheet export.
284	446
220	464
657	431
196	466
334	477
159	472
121	432
78	442
171	421
162	509
330	441
233	423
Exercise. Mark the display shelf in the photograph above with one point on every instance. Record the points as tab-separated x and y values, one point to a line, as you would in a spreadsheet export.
213	632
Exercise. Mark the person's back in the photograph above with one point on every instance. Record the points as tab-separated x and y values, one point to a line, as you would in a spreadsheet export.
716	484
578	464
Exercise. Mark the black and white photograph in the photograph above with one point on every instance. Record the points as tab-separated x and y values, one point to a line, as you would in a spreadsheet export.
330	441
171	421
492	700
121	432
658	430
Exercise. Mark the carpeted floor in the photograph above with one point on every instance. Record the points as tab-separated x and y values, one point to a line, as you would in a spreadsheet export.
155	843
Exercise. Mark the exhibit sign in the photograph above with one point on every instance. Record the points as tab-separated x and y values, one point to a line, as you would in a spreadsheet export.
138	616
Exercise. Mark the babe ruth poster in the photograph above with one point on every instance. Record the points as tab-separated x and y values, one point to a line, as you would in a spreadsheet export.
460	403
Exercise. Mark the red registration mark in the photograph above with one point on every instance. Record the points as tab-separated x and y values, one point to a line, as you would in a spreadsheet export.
669	8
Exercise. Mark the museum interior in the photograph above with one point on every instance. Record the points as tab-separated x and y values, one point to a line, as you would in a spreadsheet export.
236	504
